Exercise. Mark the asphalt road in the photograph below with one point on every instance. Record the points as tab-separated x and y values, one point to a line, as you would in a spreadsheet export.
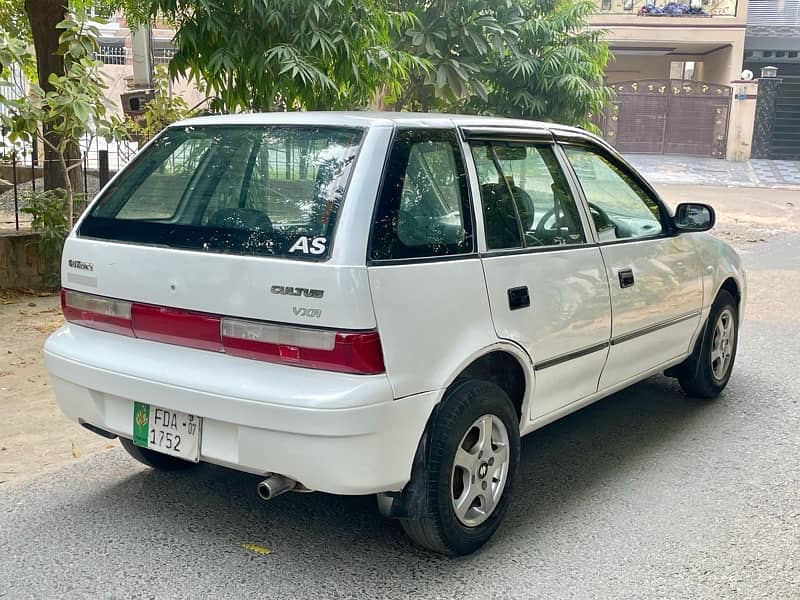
646	494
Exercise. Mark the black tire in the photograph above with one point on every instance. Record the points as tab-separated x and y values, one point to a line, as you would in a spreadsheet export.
154	459
697	376
440	529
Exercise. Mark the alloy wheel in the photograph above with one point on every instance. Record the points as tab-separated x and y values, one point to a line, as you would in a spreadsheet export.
722	344
480	470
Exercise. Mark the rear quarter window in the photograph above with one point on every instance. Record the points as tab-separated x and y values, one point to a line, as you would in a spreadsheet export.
272	191
423	211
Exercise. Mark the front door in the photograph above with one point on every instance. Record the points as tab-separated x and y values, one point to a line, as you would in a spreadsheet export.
546	281
654	275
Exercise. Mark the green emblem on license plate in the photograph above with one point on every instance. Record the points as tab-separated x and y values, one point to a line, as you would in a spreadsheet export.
141	423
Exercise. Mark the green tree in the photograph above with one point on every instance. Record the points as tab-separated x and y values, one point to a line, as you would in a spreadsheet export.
288	54
13	20
74	105
556	71
36	22
535	59
456	38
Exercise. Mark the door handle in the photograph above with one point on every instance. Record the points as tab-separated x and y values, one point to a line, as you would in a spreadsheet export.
626	278
519	297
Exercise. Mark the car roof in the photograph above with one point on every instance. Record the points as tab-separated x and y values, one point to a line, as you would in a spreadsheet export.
371	119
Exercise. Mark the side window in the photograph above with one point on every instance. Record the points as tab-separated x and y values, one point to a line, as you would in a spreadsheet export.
620	207
525	197
423	210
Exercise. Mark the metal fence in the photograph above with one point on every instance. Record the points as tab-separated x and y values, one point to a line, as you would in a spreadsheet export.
22	172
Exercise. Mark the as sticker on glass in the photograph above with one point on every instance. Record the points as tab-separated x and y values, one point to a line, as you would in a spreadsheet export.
306	245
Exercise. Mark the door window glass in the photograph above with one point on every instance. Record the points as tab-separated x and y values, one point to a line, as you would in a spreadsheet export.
423	210
620	207
526	199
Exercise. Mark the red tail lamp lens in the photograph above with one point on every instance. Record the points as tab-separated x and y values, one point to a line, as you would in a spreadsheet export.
97	312
346	352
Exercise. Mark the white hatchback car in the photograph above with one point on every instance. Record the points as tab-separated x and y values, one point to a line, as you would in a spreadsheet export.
380	303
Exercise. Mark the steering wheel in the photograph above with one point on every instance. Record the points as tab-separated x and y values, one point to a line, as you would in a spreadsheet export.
547	226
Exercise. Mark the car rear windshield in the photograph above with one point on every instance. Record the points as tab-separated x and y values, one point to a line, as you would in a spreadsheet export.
270	191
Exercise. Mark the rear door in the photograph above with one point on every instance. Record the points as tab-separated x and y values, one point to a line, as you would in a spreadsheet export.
654	275
545	277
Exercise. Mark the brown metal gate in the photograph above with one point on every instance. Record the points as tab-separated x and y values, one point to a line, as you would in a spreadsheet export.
663	116
785	142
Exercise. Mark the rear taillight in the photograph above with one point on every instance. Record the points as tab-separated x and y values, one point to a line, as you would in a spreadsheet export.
344	351
96	312
179	327
347	352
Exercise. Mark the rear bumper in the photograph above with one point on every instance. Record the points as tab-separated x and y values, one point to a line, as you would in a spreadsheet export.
333	432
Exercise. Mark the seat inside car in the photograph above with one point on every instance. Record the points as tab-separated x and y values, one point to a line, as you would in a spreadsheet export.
502	230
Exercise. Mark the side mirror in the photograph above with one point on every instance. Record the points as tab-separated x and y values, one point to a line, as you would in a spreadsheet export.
692	216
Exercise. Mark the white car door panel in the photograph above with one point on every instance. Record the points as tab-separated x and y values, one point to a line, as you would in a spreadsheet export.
655	318
546	281
567	327
667	282
654	276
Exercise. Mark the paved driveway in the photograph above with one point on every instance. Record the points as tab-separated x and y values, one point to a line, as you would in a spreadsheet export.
693	170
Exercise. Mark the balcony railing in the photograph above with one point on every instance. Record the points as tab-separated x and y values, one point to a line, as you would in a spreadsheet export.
112	55
162	56
666	8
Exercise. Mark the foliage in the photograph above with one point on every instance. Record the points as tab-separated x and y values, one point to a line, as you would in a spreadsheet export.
75	106
163	109
557	72
289	54
13	21
457	38
49	219
534	59
528	58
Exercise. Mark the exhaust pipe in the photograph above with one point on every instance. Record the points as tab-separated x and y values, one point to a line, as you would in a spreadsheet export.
275	485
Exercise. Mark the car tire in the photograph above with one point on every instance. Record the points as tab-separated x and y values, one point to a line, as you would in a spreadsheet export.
468	482
707	371
154	459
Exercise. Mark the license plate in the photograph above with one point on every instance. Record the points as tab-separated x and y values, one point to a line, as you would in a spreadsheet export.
167	431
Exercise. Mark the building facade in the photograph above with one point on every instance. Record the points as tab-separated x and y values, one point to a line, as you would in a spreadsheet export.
773	40
773	36
117	56
672	71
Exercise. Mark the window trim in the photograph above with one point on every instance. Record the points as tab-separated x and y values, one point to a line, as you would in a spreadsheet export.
566	139
470	203
537	249
532	137
503	133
